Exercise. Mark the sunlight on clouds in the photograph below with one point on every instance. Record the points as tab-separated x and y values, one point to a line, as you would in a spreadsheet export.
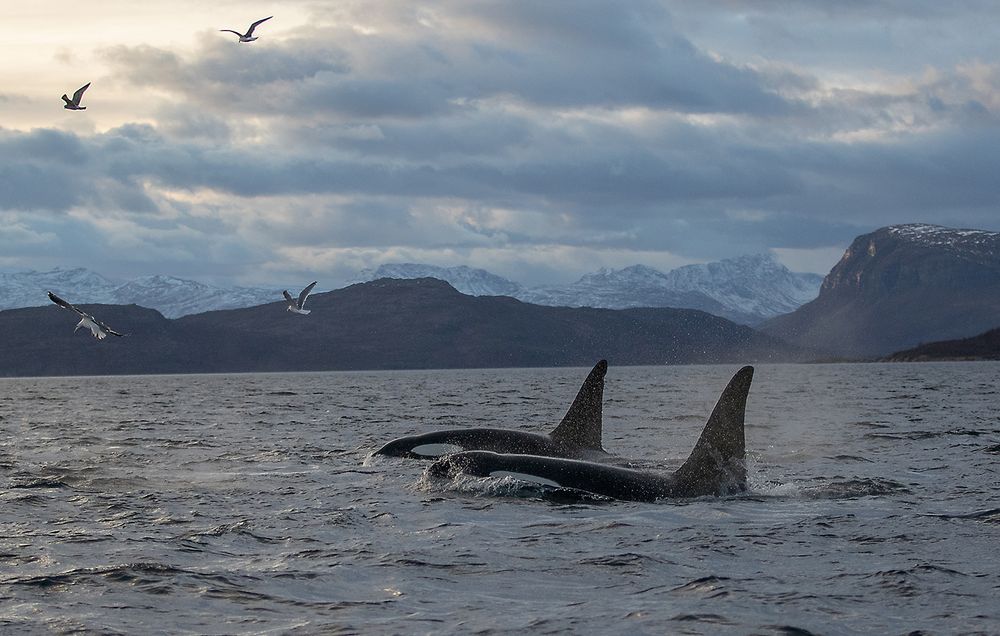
510	136
54	48
984	79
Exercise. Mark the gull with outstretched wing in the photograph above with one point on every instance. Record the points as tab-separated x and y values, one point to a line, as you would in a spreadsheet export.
248	36
296	305
97	328
74	104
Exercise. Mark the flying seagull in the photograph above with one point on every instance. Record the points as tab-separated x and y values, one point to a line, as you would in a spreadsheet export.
295	305
98	328
248	36
74	104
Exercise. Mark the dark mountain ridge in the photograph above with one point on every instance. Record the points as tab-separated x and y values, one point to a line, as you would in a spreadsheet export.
384	324
897	287
985	346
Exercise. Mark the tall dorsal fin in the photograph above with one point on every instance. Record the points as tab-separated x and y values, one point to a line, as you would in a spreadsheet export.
582	423
716	465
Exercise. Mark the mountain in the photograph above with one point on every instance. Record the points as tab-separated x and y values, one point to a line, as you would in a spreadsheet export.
384	324
747	290
40	341
985	346
897	287
171	296
636	286
175	297
27	289
756	286
474	282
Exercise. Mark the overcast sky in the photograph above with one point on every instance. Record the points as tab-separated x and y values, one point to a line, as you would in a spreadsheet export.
539	139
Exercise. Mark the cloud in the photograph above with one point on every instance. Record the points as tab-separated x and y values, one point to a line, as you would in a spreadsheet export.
553	54
513	130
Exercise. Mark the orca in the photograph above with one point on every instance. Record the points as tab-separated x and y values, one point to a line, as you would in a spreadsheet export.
714	468
578	435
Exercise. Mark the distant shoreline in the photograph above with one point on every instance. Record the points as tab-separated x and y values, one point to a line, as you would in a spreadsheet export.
464	369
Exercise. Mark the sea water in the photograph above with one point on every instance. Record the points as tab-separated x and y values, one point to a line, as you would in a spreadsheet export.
215	504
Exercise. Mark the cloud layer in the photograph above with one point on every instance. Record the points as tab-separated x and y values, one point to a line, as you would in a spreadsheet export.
539	140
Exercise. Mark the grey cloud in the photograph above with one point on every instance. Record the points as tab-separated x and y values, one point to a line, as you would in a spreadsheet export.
54	171
472	134
181	122
815	179
891	36
28	186
853	9
372	98
45	145
558	54
588	125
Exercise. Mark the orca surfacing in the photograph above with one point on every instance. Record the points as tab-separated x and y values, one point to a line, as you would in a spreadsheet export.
578	435
714	468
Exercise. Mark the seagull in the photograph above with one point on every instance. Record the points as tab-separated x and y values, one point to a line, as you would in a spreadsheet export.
74	104
295	304
248	36
97	328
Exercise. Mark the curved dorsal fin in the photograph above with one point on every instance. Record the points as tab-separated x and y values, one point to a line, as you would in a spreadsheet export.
581	425
716	465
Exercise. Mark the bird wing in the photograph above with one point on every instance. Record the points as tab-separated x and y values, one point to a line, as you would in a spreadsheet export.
62	303
107	328
78	95
254	25
305	293
231	31
67	100
288	296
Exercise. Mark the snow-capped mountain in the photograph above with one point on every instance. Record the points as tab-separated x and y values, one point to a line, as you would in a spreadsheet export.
972	243
172	297
756	285
27	289
900	286
635	286
470	281
748	289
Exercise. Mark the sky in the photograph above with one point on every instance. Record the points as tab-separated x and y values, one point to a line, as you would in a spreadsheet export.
538	139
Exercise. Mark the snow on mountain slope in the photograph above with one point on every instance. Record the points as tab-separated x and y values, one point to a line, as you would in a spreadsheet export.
470	281
77	285
757	285
971	242
173	297
748	289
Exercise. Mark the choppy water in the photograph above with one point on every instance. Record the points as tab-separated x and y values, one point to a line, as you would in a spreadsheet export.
244	503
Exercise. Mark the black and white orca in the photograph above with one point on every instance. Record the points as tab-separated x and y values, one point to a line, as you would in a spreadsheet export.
715	467
578	435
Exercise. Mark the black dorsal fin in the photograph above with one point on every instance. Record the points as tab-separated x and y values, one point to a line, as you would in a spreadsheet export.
581	425
716	465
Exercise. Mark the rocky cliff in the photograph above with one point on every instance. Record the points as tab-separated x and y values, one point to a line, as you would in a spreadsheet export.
897	287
